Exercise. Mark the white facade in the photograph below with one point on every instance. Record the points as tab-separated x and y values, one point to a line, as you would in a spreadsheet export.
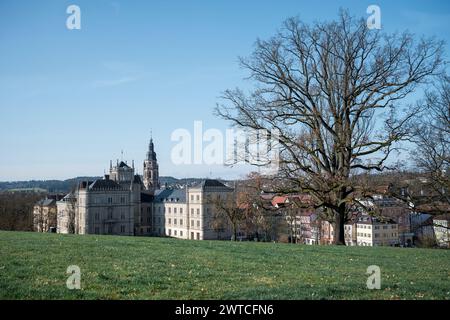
104	206
189	213
442	232
371	232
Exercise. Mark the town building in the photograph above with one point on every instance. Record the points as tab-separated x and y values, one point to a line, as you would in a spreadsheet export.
45	214
371	231
442	230
350	234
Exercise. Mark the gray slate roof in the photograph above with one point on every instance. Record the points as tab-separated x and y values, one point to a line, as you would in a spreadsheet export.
123	165
170	195
103	184
210	183
46	202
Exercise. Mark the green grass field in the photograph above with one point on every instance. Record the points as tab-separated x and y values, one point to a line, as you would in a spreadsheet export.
33	266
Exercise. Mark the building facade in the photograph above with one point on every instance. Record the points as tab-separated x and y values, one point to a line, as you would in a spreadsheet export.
189	213
111	205
45	215
124	204
371	231
441	225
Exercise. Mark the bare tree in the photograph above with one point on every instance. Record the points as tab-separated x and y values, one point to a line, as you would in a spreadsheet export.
218	223
333	91
428	189
227	207
71	213
16	210
432	137
261	219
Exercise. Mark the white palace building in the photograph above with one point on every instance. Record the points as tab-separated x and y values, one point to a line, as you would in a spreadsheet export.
123	203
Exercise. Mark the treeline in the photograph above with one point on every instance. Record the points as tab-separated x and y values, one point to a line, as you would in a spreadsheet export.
52	186
16	210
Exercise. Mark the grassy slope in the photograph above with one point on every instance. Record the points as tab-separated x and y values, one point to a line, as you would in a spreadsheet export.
33	266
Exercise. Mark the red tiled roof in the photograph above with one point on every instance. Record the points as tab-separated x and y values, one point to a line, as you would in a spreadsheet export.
277	200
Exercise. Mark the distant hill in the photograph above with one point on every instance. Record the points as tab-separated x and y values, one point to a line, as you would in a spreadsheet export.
52	186
63	186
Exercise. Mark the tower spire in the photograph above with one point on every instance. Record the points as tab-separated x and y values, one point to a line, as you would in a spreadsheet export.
151	174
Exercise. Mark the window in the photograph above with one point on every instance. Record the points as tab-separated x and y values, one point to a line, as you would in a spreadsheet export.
192	212
170	210
159	220
159	209
109	200
181	210
192	235
175	221
181	233
175	232
170	221
198	236
198	223
170	232
148	230
192	223
198	198
385	227
181	222
198	211
192	197
148	219
122	229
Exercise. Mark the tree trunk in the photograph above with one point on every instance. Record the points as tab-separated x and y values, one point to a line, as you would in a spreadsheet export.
339	236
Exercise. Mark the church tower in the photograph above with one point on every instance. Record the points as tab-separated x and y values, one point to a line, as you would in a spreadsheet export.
151	174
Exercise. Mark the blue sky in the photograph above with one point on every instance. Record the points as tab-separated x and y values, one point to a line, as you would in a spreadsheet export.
71	100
